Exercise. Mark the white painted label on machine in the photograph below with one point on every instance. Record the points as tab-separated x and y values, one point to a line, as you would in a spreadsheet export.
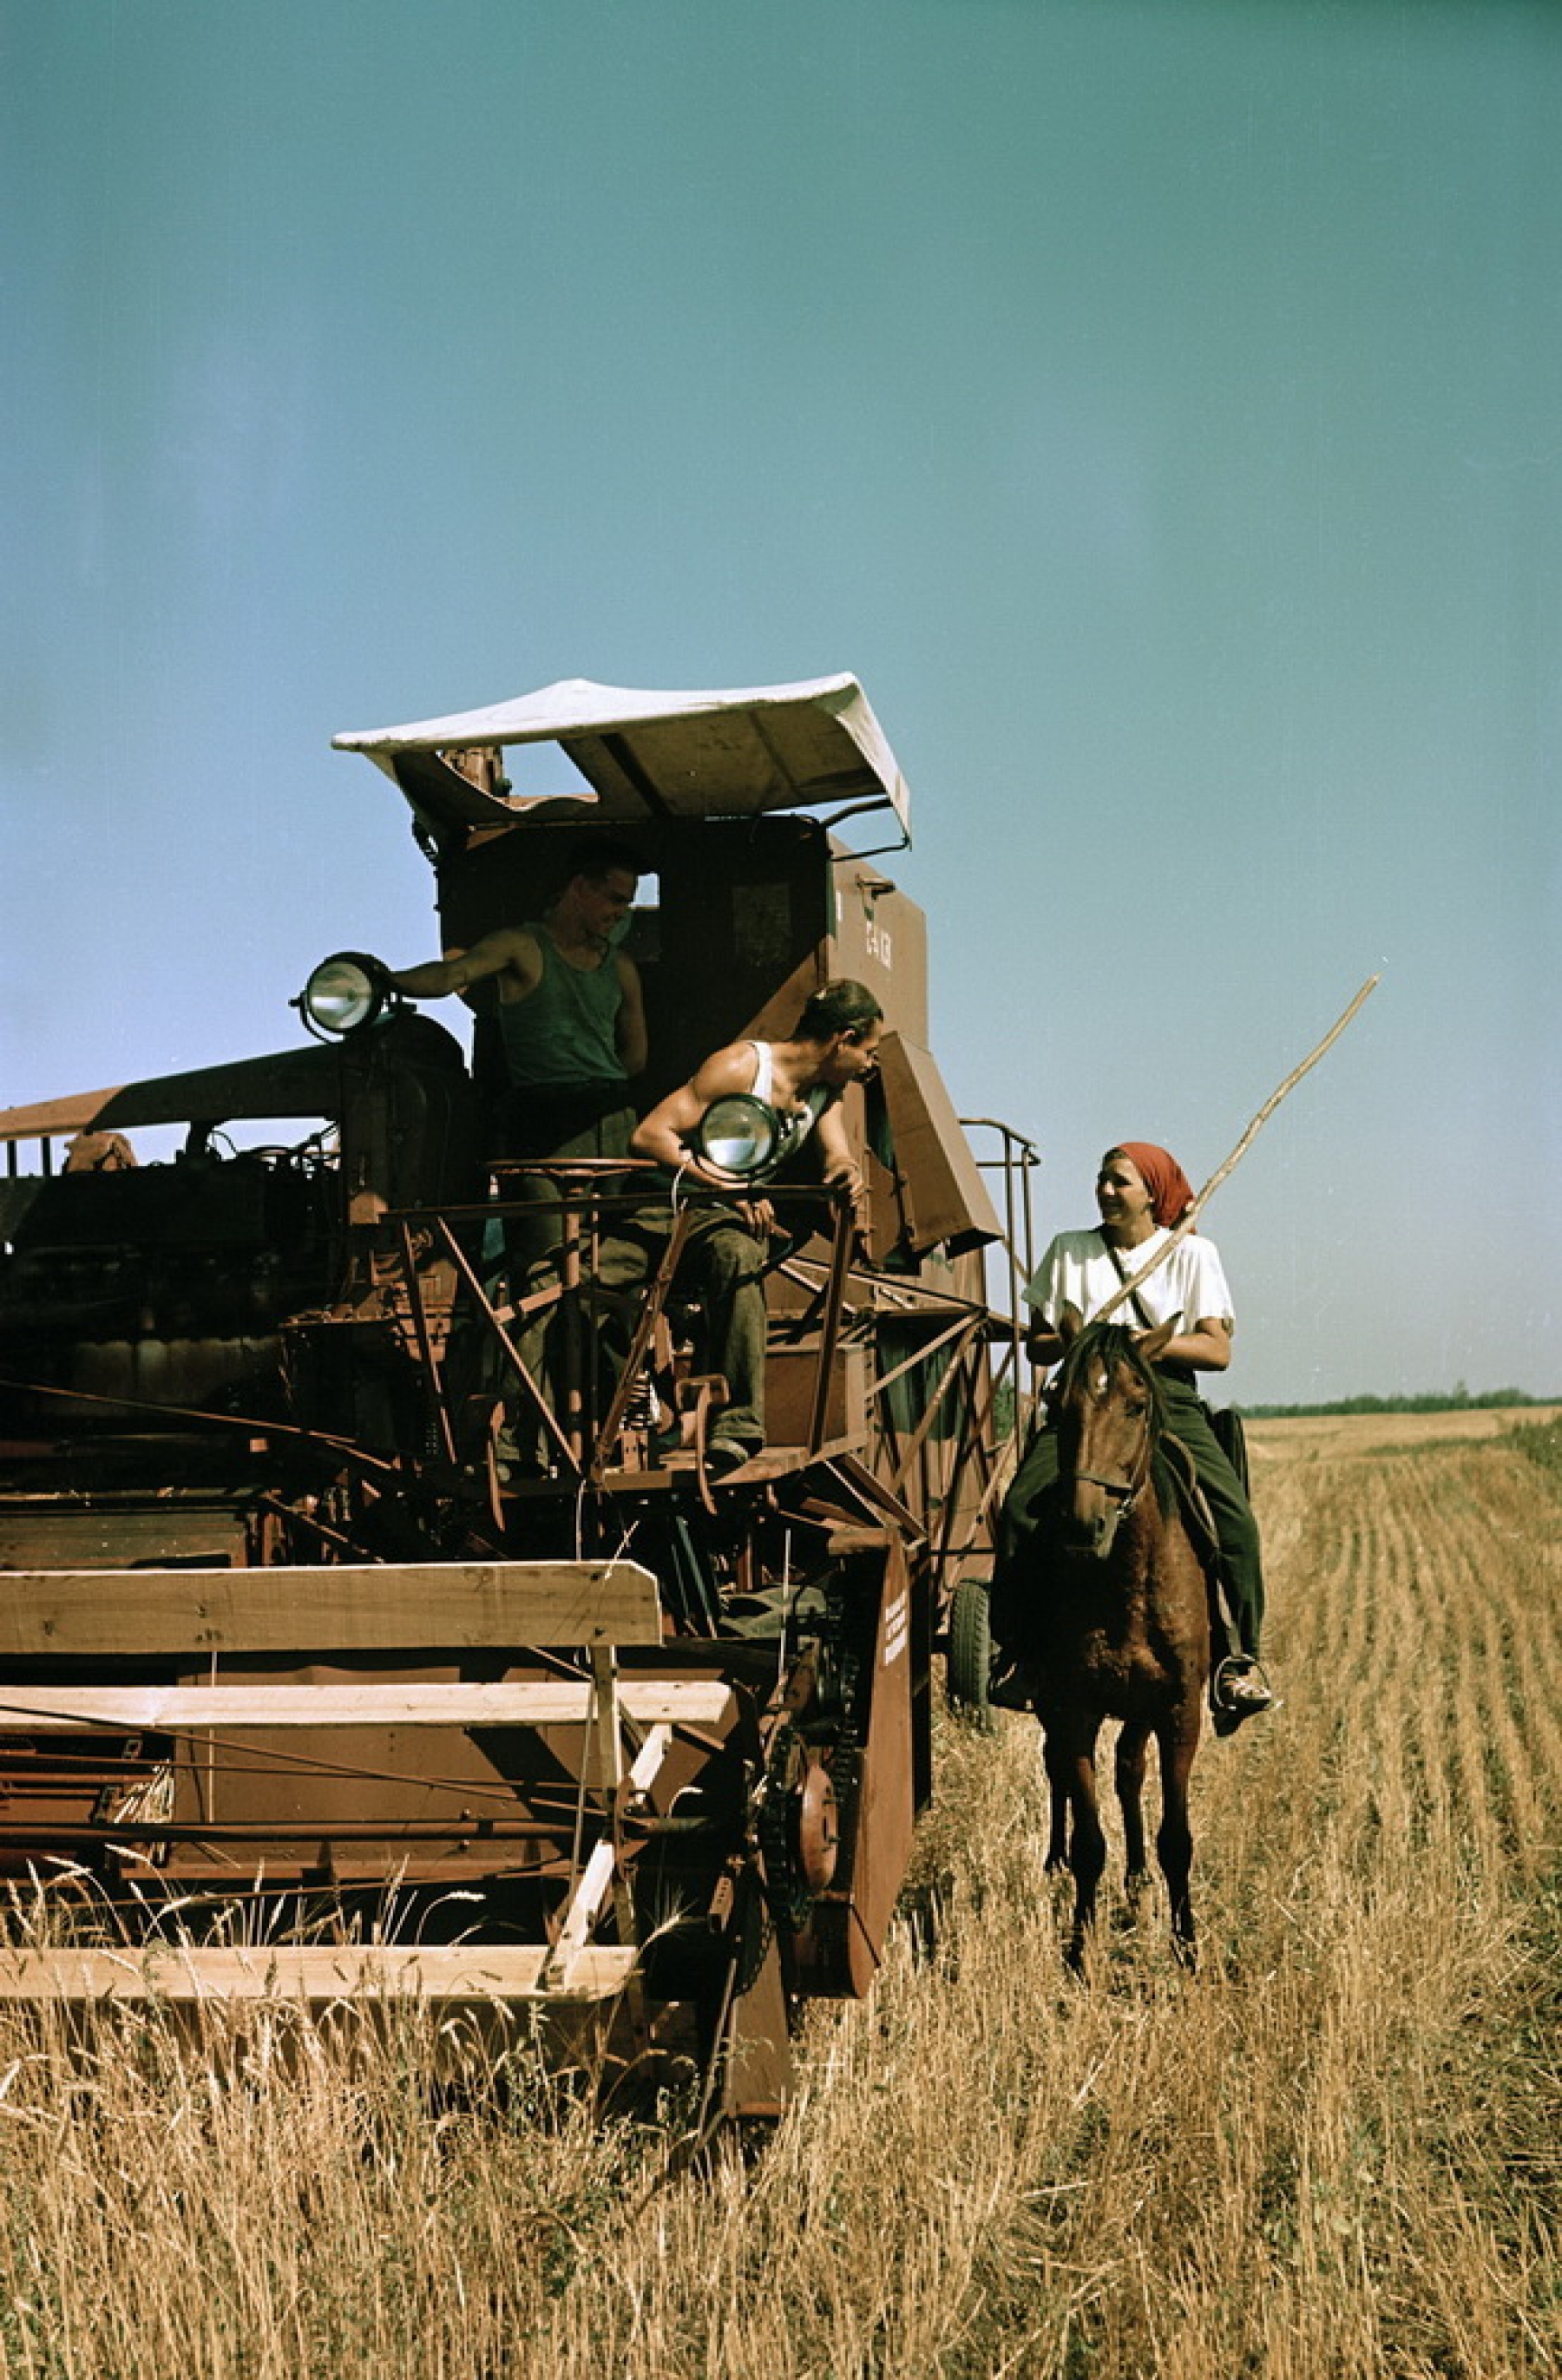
897	1628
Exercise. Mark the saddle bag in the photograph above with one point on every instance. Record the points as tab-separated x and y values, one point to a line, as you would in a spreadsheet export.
1231	1438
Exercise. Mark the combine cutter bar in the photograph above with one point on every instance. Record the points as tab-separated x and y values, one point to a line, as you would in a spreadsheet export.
319	1975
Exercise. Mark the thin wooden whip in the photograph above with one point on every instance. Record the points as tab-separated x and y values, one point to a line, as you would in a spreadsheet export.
1221	1171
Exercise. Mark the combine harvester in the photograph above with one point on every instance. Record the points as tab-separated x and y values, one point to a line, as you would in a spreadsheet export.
308	1690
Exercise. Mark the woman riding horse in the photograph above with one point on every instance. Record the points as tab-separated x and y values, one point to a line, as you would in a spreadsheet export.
1142	1194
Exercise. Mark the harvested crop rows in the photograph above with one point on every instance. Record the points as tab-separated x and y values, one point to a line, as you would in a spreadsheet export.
1334	2151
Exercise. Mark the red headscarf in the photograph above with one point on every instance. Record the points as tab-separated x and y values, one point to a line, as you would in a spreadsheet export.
1169	1188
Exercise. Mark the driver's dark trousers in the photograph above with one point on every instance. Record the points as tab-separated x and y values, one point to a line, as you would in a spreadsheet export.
723	1263
1240	1558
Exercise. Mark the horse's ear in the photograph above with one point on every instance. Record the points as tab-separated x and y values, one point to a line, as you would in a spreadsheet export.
1154	1345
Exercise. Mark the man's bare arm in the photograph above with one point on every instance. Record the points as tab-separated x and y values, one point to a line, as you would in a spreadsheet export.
509	949
664	1133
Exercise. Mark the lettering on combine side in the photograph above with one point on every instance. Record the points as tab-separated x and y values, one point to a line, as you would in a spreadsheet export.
897	1628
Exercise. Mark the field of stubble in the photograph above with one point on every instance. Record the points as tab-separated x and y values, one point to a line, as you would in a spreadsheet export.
1335	2151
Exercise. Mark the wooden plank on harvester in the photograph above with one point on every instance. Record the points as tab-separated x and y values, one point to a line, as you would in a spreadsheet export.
319	1973
171	1710
354	1608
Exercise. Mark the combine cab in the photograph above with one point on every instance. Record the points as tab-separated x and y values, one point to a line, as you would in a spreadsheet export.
370	1621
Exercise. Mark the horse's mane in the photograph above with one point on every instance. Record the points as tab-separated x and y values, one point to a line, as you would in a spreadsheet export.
1115	1344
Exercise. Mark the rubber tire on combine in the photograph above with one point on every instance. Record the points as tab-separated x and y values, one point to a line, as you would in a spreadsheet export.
970	1655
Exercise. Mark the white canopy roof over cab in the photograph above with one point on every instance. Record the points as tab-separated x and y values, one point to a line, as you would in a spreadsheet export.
728	753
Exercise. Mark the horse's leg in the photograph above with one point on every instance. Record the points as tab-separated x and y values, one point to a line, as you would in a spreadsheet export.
1179	1739
1133	1745
1087	1854
1057	1798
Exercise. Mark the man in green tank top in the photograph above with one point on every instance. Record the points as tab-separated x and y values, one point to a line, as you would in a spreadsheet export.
570	1013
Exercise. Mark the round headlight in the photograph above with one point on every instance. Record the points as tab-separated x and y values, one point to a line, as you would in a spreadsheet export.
739	1133
344	993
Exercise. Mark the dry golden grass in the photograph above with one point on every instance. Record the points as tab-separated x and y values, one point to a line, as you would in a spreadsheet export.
1335	2151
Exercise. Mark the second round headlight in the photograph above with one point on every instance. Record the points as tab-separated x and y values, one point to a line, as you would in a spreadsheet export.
739	1133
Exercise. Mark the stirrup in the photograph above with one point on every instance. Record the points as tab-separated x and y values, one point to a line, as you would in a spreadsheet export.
1243	1668
1228	1709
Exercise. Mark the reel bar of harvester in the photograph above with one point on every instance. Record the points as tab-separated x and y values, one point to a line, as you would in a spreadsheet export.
350	1607
648	1701
266	1760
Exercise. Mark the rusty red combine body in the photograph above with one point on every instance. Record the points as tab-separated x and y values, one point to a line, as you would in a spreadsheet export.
307	1687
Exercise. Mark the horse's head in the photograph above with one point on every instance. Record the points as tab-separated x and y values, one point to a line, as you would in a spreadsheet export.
1107	1410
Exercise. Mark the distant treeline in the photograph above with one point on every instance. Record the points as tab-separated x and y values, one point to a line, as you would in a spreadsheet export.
1458	1399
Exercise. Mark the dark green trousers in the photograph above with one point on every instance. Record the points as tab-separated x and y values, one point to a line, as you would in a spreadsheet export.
1241	1562
724	1264
539	1224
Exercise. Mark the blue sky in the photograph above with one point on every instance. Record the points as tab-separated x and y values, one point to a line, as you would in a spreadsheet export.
1155	404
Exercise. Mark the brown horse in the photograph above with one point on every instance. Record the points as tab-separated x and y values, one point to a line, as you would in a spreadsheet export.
1119	1623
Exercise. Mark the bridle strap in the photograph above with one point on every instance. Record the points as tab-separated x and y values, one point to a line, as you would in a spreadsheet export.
1126	1488
1129	1491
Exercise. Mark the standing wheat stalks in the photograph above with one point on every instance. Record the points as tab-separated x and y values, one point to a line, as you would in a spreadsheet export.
1221	1171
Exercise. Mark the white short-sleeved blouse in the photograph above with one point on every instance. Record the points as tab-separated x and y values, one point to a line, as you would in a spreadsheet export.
1077	1270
